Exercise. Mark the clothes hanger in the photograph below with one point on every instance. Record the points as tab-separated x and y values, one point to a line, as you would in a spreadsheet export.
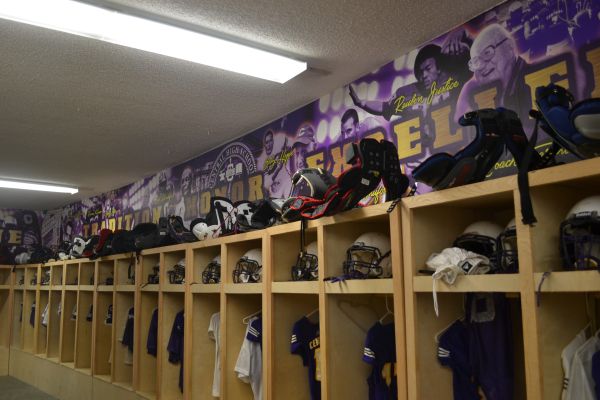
388	312
316	310
247	318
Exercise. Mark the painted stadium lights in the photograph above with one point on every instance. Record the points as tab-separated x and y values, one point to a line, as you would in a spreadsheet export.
41	187
115	27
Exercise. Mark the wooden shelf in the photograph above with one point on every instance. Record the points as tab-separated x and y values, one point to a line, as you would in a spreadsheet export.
105	288
206	288
471	283
68	364
569	281
86	288
71	287
125	288
295	287
5	287
243	288
360	286
173	288
45	288
150	288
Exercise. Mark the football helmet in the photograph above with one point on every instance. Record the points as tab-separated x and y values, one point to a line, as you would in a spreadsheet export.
369	256
153	278
481	237
45	280
248	269
580	235
77	247
307	264
177	273
212	272
508	260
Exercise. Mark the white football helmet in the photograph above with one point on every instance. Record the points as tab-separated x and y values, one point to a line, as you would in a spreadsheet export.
481	238
580	235
78	247
307	264
369	256
508	257
248	269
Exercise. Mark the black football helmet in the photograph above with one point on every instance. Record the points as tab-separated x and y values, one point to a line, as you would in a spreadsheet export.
177	273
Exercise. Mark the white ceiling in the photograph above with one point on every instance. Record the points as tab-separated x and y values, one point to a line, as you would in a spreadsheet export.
99	116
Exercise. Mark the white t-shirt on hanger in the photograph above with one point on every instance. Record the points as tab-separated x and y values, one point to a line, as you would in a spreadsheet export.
213	333
567	358
581	383
45	316
249	363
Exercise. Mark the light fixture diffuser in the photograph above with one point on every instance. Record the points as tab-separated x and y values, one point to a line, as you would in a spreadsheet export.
36	186
111	26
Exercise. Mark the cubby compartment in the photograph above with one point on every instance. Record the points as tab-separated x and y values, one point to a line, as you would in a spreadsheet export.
5	276
69	318
31	277
55	305
146	372
552	204
103	329
561	318
349	319
71	274
285	247
86	274
172	305
170	280
106	273
423	366
57	275
125	272
205	336
86	314
123	317
201	258
18	316
4	317
29	312
373	231
150	271
239	308
42	330
235	251
289	377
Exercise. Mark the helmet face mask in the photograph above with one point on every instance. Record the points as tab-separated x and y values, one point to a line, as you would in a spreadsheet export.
480	244
481	237
363	261
212	272
507	259
580	241
177	273
306	268
248	269
153	278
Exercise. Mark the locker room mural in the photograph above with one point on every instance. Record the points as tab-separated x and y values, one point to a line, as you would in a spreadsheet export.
496	59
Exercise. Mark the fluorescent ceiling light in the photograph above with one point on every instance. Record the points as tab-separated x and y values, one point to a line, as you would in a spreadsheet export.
36	186
114	27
